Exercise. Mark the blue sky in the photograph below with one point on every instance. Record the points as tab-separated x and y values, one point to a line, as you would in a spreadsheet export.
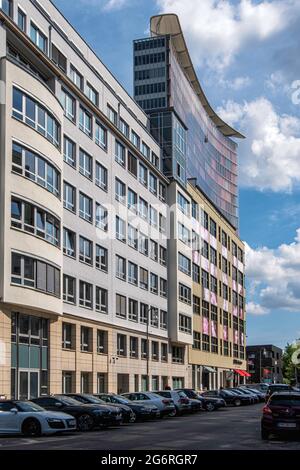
246	53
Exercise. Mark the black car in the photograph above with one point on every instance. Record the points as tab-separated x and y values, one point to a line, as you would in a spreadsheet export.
272	388
252	397
207	403
229	397
281	414
87	416
127	414
261	396
248	399
142	411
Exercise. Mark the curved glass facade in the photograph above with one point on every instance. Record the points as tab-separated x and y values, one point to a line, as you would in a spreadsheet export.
211	158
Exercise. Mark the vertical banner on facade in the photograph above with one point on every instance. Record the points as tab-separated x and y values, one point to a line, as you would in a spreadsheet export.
225	333
214	329
205	325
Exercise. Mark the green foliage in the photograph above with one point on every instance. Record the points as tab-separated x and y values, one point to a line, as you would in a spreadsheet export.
289	369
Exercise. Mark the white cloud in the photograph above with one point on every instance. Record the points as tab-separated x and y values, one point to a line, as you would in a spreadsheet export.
270	156
274	278
106	5
218	29
236	84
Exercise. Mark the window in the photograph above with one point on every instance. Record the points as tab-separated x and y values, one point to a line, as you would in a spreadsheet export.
121	345
162	192
153	250
102	342
196	305
85	164
58	58
205	249
85	294
69	289
133	306
33	114
145	150
101	303
185	324
69	151
224	239
120	191
112	115
144	349
120	306
162	223
205	343
76	77
120	229
155	350
177	355
101	217
132	273
143	278
162	255
154	317
100	135
225	292
197	340
132	237
196	273
69	243
101	176
153	283
69	197
213	284
21	19
38	38
195	210
143	313
132	164
143	208
163	320
185	294
204	279
143	244
153	184
30	272
213	228
85	121
120	153
134	347
213	256
163	287
85	207
205	309
85	250
132	200
92	94
234	249
143	175
135	139
35	168
153	217
204	219
184	264
101	258
184	234
124	128
68	336
36	221
120	268
68	382
86	339
183	203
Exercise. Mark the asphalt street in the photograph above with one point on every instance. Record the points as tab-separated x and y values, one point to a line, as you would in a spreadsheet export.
227	429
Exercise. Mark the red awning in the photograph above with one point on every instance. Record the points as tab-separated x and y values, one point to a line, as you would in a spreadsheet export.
242	373
247	374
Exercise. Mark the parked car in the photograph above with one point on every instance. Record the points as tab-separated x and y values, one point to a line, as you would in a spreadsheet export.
165	405
207	403
228	396
127	414
181	401
272	388
249	399
262	387
261	396
142	411
87	416
253	396
30	419
281	414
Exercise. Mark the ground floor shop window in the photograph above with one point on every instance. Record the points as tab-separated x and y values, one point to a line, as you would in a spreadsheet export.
68	382
102	386
178	382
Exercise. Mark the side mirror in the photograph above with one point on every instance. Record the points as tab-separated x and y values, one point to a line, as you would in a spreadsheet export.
14	411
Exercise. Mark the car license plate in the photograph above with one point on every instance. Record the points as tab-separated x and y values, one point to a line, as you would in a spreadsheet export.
287	425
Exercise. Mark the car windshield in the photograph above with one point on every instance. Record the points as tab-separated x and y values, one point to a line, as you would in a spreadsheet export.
92	399
68	400
293	400
29	406
278	388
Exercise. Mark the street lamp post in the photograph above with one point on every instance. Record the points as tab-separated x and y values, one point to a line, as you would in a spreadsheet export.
148	341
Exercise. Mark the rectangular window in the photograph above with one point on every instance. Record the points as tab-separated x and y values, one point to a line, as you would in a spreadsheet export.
124	128
85	294
120	154
185	294
196	305
184	234
132	200
143	313
162	192
177	355
132	273
195	210
204	249
153	283
101	258
144	278
196	273
155	350
101	176
21	19
164	352
85	121
133	306
69	243
205	279
184	264
85	164
121	345
213	256
102	342
213	284
154	317
120	191
92	94
213	228
153	217
205	342
153	250
163	320
144	350
58	58
69	197
132	164
197	340
121	306
101	217
134	347
143	209
76	77
132	237
85	207
162	223
120	229
143	244
183	203
85	250
112	115
86	339
145	150
143	175
120	268
204	219
135	139
69	289
38	38
162	255
163	289
100	135
69	151
153	184
101	303
185	324
68	336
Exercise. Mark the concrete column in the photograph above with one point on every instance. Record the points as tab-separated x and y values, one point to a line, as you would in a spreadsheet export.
5	353
2	41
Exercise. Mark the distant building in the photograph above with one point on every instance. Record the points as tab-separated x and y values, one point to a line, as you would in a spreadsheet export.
264	363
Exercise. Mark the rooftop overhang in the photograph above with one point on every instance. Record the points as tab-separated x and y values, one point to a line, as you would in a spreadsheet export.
168	24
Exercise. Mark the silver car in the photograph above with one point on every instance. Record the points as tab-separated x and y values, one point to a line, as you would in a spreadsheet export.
181	401
165	405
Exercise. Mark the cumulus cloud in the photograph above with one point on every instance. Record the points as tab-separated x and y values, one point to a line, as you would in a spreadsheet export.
274	278
270	156
106	5
218	29
235	84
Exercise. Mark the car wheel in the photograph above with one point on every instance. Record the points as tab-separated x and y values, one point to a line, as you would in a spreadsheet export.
133	418
237	402
31	428
264	434
175	412
210	407
85	422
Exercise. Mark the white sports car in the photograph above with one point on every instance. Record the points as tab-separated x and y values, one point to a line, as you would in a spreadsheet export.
30	419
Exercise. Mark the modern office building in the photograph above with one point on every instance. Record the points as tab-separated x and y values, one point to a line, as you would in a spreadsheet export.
83	218
264	363
200	159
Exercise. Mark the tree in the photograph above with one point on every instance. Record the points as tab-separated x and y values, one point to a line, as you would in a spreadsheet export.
289	368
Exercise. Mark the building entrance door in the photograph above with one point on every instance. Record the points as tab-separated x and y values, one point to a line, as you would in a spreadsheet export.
29	384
